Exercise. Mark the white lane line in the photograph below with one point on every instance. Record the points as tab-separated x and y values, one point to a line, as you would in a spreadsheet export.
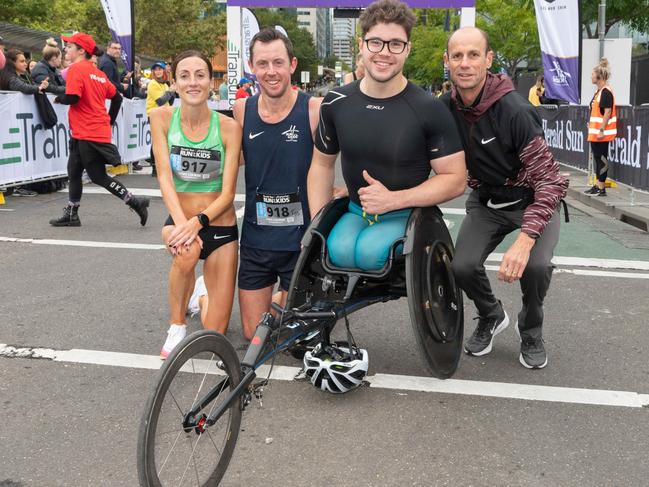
638	265
151	192
528	392
602	263
584	272
7	209
84	243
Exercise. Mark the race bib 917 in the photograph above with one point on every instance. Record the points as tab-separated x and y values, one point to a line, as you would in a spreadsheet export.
192	165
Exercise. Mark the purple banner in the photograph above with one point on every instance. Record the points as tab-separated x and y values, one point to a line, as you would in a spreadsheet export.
127	50
347	3
561	77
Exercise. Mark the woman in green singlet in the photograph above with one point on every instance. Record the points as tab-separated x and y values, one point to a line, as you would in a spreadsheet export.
197	159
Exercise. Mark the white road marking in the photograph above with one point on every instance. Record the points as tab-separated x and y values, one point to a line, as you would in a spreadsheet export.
7	209
84	243
528	392
153	193
585	272
585	262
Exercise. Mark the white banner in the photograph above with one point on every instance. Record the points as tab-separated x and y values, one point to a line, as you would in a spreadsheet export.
235	69
560	36
249	27
30	153
118	17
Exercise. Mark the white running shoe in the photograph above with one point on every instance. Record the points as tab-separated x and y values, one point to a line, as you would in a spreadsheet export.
199	290
175	335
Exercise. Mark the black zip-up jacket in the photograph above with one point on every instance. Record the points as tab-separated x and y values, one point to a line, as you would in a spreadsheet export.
43	70
108	65
504	146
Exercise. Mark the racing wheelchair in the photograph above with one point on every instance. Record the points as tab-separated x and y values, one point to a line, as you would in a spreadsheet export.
192	418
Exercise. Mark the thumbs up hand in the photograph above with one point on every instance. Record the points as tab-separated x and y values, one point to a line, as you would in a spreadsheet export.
375	198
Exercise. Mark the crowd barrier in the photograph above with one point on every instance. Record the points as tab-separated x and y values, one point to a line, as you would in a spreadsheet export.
566	133
30	153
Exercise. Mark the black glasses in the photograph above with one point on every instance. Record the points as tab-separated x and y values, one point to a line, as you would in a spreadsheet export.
394	46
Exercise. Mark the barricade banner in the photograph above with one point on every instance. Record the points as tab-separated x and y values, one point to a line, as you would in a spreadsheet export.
30	153
560	37
566	132
628	154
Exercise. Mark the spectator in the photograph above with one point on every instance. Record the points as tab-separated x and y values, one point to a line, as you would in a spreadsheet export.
358	73
108	64
2	53
223	89
536	91
158	94
48	67
31	66
446	87
14	76
244	89
602	125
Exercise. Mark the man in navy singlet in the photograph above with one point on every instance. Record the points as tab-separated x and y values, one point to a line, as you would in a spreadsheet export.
389	133
278	126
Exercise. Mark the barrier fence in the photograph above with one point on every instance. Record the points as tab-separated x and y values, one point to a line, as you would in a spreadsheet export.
30	153
566	133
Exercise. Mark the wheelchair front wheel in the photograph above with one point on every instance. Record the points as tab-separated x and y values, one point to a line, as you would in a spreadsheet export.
175	448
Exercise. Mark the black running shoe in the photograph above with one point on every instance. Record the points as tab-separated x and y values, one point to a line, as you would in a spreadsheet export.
481	341
70	218
593	190
601	192
139	206
533	354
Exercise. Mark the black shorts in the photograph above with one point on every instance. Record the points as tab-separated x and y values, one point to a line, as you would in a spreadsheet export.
259	269
213	237
88	151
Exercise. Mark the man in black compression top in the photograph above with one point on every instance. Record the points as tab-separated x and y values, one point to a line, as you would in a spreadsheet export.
390	133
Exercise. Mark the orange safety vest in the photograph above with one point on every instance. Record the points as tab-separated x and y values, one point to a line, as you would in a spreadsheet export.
596	119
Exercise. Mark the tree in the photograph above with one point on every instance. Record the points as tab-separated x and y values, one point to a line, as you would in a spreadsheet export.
165	28
22	11
633	13
512	32
301	39
425	65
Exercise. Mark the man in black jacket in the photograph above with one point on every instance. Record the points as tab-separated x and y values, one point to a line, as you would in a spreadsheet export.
516	188
108	64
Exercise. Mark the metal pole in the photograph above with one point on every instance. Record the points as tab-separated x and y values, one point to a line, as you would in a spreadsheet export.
602	26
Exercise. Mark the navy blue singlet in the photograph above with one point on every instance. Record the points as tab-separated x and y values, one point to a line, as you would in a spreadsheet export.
277	158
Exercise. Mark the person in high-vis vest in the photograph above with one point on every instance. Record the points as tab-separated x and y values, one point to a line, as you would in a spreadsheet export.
602	127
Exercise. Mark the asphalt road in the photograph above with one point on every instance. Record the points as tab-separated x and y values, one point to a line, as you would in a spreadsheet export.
66	423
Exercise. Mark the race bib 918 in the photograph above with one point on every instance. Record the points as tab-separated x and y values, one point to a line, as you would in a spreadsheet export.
279	210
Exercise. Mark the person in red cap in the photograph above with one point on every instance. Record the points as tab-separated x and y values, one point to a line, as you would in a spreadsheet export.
91	149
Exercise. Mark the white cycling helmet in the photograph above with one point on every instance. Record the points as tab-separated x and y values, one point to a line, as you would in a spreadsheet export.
334	368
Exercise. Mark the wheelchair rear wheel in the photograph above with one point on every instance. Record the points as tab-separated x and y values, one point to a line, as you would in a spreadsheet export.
173	450
434	299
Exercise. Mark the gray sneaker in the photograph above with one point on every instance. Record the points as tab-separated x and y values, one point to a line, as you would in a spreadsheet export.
533	354
481	341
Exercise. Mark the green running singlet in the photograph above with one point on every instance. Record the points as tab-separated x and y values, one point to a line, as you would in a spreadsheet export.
197	167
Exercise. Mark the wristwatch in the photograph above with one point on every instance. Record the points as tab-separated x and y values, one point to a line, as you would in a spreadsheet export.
203	220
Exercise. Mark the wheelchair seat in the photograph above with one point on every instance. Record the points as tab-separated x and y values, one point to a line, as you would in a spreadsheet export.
421	272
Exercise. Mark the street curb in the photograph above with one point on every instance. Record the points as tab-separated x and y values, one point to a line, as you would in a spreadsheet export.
614	206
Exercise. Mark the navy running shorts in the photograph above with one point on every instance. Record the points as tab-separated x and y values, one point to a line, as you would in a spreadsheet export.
259	269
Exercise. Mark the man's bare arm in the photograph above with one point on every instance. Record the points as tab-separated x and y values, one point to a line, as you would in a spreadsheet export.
320	180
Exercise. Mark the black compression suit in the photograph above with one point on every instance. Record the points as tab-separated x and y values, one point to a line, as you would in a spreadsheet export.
394	138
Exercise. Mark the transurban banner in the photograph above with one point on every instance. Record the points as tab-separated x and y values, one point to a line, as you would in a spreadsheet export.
118	17
30	153
560	36
566	133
